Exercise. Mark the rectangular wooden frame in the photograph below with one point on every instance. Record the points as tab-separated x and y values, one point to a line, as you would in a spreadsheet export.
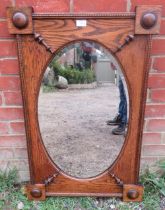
46	34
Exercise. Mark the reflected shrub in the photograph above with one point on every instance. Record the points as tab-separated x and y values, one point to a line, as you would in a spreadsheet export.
73	75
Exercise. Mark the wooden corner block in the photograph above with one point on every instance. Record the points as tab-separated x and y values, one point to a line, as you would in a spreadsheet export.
133	193
148	19
36	192
20	20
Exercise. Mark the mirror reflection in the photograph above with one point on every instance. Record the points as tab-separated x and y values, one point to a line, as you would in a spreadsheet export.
83	109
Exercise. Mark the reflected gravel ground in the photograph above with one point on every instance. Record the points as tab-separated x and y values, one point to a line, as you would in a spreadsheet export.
74	130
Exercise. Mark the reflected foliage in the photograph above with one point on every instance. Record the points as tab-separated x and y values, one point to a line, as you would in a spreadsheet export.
73	121
72	74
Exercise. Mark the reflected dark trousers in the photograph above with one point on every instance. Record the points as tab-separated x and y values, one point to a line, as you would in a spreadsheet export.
123	103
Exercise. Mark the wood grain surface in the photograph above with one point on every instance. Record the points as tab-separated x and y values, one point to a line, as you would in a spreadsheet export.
140	11
133	59
12	29
110	33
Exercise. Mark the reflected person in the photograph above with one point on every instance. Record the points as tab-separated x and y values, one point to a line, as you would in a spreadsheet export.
121	117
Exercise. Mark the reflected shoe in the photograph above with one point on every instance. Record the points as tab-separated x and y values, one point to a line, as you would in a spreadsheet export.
115	121
120	130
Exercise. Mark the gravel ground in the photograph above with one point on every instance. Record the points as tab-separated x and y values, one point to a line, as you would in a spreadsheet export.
74	130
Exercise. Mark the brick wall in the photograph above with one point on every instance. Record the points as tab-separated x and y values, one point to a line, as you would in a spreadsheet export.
12	133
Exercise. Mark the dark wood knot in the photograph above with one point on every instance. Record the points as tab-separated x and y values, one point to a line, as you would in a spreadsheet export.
20	20
148	20
36	193
133	194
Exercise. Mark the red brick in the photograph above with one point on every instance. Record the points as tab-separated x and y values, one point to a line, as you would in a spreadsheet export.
9	66
156	125
6	154
24	176
155	110
4	33
100	6
17	127
3	5
157	95
162	28
0	100
8	48
151	138
3	165
163	138
159	64
20	153
19	164
148	2
4	128
46	5
13	98
9	83
148	161
154	150
158	47
13	141
156	81
11	114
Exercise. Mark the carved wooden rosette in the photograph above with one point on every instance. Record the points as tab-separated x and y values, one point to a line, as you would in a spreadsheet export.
39	38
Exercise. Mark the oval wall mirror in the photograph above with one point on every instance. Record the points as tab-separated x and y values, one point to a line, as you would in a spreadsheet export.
73	89
82	109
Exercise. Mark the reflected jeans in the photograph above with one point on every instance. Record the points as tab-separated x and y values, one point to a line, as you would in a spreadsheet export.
123	103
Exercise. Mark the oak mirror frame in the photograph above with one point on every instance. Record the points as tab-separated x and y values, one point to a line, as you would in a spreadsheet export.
39	39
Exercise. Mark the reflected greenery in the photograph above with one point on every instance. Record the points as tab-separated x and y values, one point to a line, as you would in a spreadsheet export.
73	75
79	94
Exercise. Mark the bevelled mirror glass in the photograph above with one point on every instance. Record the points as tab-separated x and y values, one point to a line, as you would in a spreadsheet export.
83	109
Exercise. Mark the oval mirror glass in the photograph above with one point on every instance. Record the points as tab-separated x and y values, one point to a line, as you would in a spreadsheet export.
83	109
